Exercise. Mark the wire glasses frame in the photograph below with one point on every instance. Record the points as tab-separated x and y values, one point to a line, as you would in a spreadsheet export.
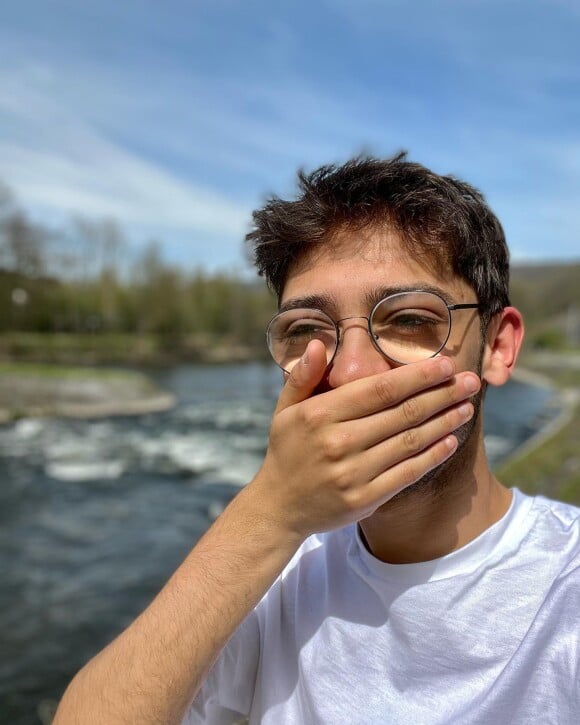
389	323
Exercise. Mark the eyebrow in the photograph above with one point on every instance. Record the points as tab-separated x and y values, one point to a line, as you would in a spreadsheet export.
327	302
379	293
322	301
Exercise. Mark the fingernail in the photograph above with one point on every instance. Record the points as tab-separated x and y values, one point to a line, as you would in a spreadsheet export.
446	366
451	443
466	410
304	358
471	384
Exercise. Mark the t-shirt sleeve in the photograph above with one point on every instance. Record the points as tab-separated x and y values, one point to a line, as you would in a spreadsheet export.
226	695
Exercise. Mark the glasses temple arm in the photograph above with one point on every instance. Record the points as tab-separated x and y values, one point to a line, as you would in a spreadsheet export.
465	306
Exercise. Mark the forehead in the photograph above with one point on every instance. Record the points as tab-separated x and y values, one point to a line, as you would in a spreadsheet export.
355	263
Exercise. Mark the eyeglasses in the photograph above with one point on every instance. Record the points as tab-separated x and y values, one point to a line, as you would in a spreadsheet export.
405	327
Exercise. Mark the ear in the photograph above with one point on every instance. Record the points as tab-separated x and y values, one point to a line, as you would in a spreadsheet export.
504	337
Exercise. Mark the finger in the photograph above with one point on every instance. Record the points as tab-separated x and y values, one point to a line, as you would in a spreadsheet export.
368	395
412	412
406	473
413	441
305	376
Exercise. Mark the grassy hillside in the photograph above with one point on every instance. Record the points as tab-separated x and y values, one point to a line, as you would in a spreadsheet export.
549	297
552	466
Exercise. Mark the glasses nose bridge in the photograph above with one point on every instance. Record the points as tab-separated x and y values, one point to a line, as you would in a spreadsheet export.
353	317
340	329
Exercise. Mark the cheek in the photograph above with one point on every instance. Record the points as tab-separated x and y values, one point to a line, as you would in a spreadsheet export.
467	346
477	355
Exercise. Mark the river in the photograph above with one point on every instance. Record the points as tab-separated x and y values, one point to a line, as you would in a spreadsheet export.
94	516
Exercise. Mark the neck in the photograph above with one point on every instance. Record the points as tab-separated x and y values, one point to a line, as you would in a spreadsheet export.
439	514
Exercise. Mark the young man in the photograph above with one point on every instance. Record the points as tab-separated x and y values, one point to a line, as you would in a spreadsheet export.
374	570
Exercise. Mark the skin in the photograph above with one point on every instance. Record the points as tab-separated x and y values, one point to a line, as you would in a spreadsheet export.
456	501
396	448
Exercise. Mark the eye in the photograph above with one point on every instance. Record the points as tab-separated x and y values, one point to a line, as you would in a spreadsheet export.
302	329
407	319
305	324
296	330
412	319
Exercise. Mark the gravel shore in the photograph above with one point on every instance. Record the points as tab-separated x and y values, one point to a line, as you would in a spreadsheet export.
77	393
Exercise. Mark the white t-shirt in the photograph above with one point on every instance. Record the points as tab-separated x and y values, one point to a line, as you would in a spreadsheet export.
487	634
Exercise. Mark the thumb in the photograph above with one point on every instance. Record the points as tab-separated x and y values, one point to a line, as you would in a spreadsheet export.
305	376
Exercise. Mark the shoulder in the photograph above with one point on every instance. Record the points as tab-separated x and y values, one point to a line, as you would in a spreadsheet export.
554	517
553	530
564	512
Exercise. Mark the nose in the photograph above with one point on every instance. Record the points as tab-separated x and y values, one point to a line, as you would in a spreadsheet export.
356	356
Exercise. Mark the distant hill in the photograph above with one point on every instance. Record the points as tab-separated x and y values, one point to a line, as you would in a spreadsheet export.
549	296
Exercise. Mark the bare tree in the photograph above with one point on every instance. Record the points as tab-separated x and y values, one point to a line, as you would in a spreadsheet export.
25	245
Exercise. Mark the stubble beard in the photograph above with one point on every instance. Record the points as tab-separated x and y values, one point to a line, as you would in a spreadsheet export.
455	471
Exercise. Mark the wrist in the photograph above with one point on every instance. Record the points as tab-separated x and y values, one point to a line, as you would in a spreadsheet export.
269	513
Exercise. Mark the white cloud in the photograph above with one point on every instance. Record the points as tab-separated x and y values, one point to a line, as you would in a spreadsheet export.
56	160
184	153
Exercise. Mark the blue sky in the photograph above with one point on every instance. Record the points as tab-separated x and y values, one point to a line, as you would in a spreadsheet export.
176	118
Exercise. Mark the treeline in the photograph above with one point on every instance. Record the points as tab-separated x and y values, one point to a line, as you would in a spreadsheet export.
86	280
106	300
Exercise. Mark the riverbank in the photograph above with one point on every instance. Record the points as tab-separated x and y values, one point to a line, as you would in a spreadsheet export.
34	390
125	349
549	462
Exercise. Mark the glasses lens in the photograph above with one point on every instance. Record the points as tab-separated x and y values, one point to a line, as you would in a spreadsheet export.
290	332
411	326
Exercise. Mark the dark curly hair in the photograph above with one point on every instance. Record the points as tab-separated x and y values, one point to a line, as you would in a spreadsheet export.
441	216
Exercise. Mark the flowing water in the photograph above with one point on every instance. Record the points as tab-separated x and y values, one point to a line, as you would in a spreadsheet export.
94	516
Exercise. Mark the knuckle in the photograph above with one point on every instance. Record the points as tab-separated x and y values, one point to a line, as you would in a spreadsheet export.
411	471
385	390
352	501
411	410
342	481
333	447
411	440
429	374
